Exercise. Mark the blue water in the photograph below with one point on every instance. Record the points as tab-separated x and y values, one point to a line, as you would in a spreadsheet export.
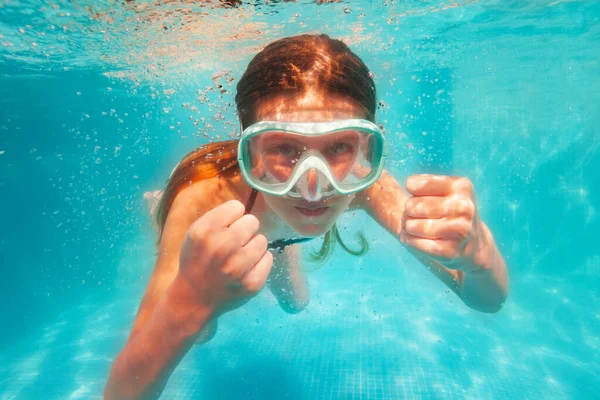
98	105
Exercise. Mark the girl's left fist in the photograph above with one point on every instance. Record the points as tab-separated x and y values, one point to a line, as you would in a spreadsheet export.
441	220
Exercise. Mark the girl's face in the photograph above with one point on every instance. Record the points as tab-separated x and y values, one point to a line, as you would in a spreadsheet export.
309	218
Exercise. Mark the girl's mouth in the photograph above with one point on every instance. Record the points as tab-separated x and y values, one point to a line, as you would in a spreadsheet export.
312	212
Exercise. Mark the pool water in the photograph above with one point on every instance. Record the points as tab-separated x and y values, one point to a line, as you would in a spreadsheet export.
99	101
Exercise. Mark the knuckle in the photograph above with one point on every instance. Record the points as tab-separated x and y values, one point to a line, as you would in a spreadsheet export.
230	271
261	242
465	184
410	226
197	233
233	205
410	205
220	252
231	274
269	259
470	209
253	222
415	182
463	229
253	286
466	207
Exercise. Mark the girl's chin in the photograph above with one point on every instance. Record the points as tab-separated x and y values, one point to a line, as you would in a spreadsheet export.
310	227
311	231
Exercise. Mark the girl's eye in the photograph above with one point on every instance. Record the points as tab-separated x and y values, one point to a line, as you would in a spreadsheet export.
285	150
339	148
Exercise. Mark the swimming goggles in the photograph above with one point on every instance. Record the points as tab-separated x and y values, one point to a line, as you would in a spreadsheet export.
311	160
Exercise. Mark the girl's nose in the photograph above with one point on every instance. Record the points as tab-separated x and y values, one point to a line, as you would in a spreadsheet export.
312	179
313	187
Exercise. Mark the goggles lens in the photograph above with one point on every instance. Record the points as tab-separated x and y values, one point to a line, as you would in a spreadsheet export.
301	158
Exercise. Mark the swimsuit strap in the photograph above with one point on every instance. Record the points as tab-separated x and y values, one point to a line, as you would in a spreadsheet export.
251	200
277	245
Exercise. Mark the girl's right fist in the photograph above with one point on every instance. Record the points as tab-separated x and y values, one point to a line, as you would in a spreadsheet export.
224	259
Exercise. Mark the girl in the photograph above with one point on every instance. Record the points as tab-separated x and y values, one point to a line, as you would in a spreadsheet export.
309	151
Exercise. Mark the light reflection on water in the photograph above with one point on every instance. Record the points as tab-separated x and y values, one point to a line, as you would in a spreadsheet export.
99	101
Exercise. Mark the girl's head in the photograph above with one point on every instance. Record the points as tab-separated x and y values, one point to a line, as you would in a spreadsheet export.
307	78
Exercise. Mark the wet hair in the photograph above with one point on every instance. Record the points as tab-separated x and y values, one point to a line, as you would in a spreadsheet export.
295	65
287	67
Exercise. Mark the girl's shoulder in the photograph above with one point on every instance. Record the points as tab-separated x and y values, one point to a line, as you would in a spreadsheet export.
200	197
206	194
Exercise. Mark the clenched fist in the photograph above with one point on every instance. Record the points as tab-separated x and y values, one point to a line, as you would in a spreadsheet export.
441	220
223	259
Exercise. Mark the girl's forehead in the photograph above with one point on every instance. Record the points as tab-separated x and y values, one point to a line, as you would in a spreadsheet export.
309	107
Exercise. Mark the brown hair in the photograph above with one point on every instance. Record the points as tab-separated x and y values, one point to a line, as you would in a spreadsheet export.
286	67
205	162
292	65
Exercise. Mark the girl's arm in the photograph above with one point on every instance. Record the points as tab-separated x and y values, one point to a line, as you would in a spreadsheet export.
163	330
443	233
144	366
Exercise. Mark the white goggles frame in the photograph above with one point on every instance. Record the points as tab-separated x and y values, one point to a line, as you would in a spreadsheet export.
311	159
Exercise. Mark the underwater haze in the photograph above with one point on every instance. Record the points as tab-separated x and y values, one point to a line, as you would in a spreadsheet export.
99	100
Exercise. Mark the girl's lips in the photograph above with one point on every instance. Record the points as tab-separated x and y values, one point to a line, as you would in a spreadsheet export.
312	212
